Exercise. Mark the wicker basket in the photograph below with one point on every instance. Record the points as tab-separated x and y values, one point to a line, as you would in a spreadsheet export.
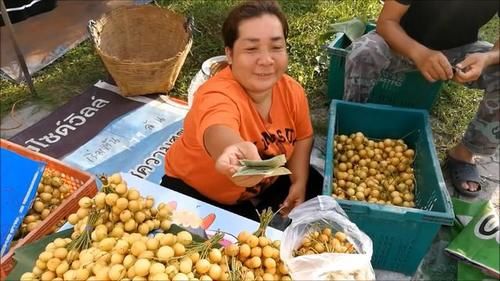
142	47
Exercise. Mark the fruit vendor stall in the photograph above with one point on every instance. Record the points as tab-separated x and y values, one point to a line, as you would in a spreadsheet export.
383	202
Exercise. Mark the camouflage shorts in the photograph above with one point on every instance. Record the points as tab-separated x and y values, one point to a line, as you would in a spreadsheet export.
370	56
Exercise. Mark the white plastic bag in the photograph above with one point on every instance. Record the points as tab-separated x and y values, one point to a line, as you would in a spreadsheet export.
325	211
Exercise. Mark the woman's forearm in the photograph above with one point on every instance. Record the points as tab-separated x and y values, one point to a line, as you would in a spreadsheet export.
216	138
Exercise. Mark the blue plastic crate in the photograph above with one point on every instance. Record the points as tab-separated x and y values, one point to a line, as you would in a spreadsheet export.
408	89
401	236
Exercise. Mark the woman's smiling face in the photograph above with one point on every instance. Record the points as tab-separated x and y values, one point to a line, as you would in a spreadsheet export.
259	56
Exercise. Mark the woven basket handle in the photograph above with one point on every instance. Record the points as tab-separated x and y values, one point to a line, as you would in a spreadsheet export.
93	31
189	25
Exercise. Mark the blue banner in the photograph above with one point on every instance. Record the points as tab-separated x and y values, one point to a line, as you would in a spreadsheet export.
135	143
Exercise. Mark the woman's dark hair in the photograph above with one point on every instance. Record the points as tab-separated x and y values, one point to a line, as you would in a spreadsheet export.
247	10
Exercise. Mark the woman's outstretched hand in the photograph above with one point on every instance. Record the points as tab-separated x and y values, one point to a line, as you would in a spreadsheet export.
228	163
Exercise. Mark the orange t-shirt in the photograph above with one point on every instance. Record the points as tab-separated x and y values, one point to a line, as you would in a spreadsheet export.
222	101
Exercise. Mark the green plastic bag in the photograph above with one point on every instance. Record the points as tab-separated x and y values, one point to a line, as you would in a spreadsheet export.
353	28
466	273
479	241
464	212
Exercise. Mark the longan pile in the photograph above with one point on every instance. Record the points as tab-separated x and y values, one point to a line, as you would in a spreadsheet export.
116	249
373	171
132	257
324	241
256	258
52	190
119	247
121	210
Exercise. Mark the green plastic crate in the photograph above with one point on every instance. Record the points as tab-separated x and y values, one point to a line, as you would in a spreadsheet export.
401	236
408	89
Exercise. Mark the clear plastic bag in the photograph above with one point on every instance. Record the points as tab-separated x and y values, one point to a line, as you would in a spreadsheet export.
325	211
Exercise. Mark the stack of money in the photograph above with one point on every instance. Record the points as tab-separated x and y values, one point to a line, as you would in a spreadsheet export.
268	168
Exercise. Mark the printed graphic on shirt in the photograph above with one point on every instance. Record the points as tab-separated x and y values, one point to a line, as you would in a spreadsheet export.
274	144
280	136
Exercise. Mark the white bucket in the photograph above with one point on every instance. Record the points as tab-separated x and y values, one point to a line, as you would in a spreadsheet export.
203	74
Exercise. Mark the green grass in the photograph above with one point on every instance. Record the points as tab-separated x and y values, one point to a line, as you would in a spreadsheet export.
308	20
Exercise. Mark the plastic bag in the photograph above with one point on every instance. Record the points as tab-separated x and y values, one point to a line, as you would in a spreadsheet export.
478	243
353	28
325	211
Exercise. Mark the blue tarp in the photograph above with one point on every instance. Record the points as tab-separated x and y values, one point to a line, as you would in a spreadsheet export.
18	186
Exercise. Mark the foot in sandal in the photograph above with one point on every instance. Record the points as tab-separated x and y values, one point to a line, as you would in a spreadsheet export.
463	171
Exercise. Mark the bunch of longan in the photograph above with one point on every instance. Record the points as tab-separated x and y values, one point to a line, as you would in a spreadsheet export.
120	210
256	257
324	240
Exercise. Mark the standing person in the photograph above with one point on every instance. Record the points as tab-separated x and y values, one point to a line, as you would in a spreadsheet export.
249	110
444	46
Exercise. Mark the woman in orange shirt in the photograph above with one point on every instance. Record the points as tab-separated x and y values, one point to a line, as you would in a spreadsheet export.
249	110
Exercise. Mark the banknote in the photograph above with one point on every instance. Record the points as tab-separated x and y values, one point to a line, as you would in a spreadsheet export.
266	172
274	162
268	168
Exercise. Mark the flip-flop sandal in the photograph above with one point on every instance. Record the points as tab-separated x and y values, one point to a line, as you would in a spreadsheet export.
461	172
